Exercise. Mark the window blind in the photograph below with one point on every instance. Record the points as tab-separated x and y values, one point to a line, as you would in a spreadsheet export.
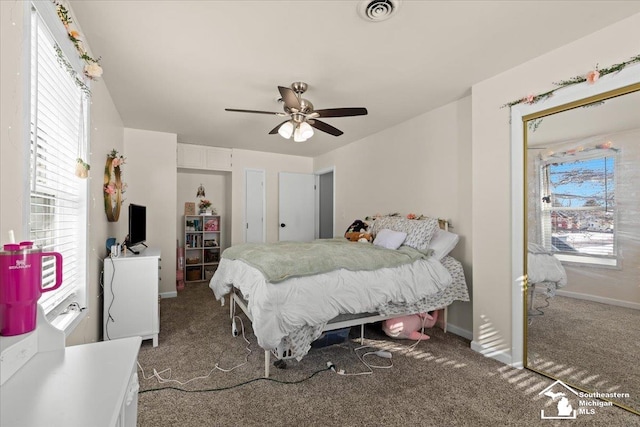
58	199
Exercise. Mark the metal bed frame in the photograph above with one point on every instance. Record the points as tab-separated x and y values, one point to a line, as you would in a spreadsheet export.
339	322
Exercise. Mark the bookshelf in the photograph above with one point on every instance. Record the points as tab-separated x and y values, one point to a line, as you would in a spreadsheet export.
202	240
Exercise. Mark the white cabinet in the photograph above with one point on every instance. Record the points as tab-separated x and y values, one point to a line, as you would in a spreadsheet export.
204	157
84	385
131	304
202	246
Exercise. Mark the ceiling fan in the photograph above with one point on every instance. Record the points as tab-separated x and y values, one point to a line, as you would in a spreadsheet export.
301	117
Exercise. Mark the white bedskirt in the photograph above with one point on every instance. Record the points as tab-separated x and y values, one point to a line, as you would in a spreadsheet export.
282	309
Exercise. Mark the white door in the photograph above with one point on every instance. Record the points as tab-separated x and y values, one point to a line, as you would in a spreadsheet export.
297	207
254	206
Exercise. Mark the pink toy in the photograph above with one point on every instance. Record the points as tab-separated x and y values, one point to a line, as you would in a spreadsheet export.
410	327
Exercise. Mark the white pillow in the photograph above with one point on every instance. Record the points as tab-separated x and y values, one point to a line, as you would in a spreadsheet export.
389	239
442	243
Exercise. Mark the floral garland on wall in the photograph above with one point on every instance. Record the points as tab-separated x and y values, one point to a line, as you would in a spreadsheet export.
591	77
92	68
113	187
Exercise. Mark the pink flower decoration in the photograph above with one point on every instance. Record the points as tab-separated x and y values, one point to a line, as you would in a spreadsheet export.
411	216
115	162
110	189
593	76
529	99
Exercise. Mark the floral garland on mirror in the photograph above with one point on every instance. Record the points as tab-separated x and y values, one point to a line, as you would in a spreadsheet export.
591	77
113	186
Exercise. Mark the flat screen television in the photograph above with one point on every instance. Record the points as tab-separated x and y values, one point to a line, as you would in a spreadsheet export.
137	226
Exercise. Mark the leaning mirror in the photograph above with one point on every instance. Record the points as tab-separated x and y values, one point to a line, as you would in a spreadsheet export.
582	244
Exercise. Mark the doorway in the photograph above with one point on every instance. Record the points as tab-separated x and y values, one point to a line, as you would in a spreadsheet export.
324	203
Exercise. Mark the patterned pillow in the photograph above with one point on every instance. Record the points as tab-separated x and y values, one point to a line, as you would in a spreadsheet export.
419	232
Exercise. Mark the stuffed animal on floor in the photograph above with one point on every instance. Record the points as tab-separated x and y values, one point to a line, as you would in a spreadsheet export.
410	327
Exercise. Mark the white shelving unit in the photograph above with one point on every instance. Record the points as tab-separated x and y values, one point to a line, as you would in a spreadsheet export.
131	299
202	246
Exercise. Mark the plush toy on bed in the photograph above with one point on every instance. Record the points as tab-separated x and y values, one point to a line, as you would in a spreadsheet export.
357	232
356	236
410	327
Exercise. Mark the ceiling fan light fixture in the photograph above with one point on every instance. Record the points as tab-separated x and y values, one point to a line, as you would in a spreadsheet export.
298	135
286	130
306	130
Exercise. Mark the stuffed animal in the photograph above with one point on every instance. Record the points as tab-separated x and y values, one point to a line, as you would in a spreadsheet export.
357	232
410	327
358	225
356	236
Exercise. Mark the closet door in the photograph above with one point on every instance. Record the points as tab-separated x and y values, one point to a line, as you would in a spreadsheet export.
254	206
297	207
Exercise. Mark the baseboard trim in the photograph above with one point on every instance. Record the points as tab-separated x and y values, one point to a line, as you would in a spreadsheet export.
595	298
499	355
459	331
171	294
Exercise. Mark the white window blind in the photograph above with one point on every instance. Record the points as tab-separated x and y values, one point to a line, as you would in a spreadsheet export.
58	199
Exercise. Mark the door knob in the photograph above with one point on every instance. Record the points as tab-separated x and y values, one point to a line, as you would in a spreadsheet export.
283	225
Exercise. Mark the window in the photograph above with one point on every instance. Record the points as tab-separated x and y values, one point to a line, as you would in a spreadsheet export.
579	208
57	214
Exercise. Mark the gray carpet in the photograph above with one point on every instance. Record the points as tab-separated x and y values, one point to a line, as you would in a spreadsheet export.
588	344
441	382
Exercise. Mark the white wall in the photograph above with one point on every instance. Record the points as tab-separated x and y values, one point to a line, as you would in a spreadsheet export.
218	191
106	133
272	165
421	166
151	176
491	169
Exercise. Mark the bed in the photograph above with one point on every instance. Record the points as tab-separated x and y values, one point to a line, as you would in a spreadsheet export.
291	298
545	274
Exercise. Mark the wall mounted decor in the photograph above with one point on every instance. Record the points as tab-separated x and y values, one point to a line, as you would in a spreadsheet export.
113	185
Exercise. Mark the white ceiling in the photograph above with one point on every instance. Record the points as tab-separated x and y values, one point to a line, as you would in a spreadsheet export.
174	66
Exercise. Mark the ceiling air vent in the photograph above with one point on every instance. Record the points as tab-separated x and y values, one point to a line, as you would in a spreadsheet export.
378	10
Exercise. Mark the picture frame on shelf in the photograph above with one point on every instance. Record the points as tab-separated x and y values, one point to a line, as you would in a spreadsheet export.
189	208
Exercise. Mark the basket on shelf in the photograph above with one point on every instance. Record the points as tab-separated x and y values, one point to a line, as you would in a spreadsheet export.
193	275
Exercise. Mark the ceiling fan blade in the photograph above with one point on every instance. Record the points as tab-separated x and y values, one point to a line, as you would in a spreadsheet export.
325	127
275	129
255	111
341	112
289	98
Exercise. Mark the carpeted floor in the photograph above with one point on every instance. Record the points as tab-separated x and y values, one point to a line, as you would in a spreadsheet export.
587	344
441	382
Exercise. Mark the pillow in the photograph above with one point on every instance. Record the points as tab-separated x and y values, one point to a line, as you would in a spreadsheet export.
419	231
389	239
442	243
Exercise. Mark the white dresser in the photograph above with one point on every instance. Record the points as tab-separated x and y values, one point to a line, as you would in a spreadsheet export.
46	384
131	299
